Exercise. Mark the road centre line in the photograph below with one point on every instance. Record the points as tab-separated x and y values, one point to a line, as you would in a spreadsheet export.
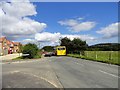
109	74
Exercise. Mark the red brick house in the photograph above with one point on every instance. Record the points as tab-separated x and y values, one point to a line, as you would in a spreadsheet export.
3	46
8	47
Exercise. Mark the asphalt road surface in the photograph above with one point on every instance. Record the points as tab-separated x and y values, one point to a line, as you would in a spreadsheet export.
59	72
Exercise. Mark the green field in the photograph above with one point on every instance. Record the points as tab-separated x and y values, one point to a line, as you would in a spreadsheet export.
101	56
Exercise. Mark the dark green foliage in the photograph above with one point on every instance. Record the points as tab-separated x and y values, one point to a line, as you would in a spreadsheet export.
79	45
48	48
105	47
66	42
75	46
21	48
30	49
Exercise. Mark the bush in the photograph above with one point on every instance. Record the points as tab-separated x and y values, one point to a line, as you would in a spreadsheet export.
30	49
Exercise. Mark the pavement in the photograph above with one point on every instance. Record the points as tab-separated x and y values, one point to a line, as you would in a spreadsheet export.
10	56
59	72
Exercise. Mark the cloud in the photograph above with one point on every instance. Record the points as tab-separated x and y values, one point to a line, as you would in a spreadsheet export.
25	41
21	27
19	9
109	31
70	22
82	37
15	21
54	38
75	25
80	18
47	37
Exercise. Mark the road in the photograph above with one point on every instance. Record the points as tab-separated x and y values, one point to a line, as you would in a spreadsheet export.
59	72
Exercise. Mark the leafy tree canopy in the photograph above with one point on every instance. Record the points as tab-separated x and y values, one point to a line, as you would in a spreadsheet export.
73	45
48	48
30	49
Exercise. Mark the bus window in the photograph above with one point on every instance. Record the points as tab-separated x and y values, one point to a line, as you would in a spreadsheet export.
61	48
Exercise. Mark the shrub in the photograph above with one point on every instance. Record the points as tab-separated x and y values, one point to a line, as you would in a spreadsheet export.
30	49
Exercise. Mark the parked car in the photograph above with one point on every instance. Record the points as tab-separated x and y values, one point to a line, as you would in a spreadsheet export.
53	53
47	54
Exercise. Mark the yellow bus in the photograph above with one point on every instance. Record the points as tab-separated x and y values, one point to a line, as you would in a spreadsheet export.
60	50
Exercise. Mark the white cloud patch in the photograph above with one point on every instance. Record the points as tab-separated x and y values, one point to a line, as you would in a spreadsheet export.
25	41
47	37
80	18
18	9
70	22
109	31
54	38
15	21
82	37
75	25
22	27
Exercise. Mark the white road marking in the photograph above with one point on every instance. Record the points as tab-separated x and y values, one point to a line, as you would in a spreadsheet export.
109	74
52	83
12	72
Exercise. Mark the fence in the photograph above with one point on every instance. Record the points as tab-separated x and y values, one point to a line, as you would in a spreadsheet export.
104	56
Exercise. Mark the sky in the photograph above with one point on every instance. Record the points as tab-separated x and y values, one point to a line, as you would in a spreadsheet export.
47	22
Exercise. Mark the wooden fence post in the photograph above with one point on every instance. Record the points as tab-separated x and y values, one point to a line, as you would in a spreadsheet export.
110	57
86	54
95	55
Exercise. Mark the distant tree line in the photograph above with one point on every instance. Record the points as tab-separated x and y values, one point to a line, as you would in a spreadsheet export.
77	45
104	47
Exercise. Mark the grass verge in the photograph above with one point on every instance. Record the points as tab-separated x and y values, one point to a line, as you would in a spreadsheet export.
101	57
21	58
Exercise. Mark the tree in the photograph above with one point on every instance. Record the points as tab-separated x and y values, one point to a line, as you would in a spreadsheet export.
66	42
30	49
20	48
78	44
74	45
48	48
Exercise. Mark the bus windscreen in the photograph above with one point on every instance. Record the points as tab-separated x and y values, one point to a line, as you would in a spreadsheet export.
61	48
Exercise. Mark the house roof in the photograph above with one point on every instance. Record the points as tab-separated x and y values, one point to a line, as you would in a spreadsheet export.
16	43
9	42
2	39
